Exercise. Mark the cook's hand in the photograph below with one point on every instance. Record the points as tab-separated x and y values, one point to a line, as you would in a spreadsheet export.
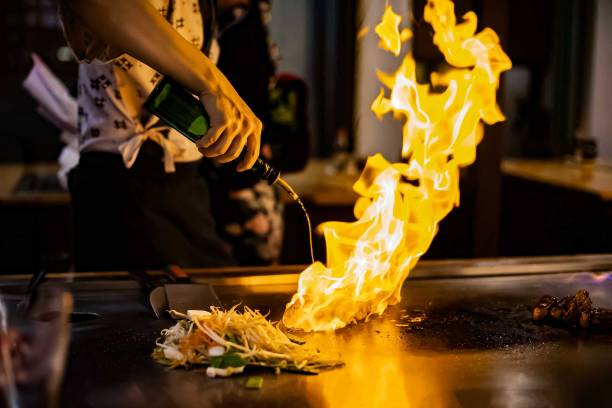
232	127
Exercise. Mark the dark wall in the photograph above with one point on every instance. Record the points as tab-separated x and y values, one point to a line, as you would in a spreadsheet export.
545	220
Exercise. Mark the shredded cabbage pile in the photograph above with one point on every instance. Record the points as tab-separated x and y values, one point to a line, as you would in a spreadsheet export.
228	340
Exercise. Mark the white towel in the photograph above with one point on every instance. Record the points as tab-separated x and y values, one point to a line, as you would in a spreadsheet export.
60	108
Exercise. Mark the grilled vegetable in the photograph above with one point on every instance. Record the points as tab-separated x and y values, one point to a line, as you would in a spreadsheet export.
227	341
254	383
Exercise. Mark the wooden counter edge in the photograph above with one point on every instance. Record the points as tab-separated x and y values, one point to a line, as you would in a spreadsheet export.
523	168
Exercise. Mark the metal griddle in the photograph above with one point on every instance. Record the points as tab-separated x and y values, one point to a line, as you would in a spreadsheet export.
450	361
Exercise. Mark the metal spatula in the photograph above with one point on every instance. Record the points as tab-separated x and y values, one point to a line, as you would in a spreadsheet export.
182	296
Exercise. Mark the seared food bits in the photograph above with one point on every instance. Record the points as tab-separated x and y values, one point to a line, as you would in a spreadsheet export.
571	311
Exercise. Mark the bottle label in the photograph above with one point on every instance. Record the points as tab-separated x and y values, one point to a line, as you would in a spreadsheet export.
199	126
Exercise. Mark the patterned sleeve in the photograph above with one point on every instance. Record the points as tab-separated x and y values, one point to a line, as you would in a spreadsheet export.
85	46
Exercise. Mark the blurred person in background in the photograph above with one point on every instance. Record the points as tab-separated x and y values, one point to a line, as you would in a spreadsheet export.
249	212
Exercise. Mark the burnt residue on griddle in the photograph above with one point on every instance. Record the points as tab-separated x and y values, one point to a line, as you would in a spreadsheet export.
476	326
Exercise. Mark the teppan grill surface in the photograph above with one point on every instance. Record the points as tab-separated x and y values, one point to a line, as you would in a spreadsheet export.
461	337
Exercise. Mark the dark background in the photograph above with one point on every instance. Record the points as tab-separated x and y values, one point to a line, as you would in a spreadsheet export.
500	215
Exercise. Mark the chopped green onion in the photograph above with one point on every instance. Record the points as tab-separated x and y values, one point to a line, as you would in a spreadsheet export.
228	360
164	361
254	383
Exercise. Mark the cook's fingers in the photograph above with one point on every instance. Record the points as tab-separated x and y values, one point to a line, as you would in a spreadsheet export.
233	151
211	137
219	147
235	128
252	153
248	126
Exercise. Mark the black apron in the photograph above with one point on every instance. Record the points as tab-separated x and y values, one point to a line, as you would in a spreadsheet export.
142	217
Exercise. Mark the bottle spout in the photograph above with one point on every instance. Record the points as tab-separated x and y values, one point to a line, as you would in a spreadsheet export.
287	188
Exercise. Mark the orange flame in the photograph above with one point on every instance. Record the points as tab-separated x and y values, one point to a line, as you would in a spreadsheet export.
401	204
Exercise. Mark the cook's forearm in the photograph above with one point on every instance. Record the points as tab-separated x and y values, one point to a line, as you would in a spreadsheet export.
135	27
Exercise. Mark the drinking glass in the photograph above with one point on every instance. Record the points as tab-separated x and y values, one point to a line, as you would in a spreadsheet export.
34	337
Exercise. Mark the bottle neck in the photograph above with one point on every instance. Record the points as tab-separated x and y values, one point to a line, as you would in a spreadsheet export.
265	171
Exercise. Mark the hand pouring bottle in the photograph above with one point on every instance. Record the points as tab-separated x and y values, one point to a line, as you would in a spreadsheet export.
179	109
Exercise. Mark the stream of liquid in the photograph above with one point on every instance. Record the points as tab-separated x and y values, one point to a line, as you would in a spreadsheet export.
296	197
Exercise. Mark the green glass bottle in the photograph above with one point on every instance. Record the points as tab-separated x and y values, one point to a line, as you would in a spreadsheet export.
179	109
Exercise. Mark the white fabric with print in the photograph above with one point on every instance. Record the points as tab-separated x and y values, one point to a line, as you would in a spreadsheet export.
112	89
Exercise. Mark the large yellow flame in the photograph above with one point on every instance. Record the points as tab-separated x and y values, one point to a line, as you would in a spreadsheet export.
401	204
